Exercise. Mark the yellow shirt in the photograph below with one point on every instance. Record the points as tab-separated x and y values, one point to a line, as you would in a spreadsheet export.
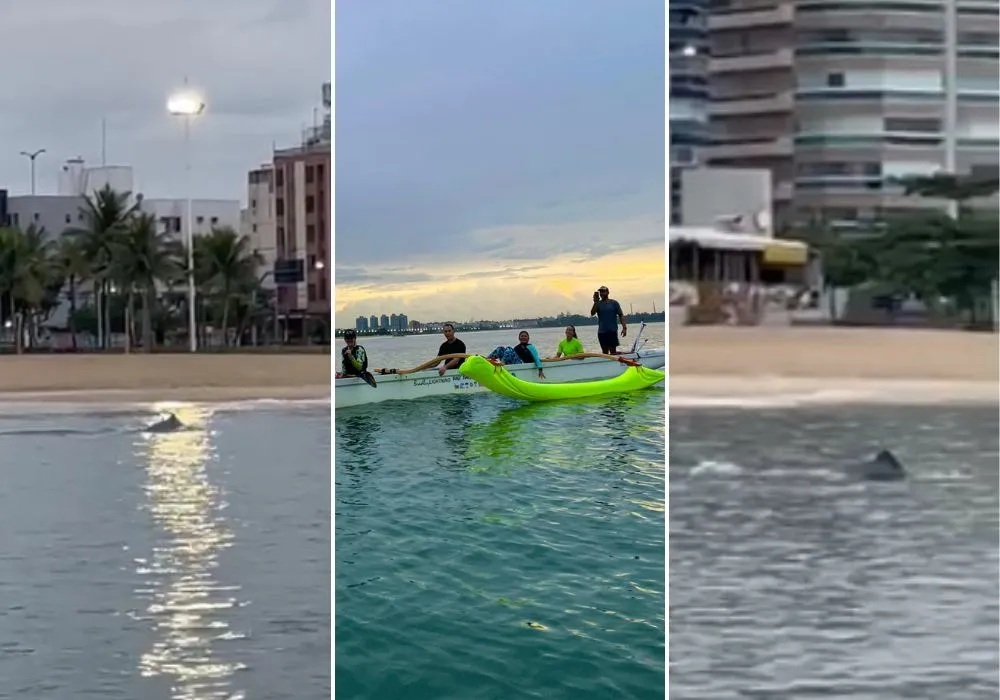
570	347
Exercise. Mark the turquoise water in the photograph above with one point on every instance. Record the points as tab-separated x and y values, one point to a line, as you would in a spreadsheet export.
487	549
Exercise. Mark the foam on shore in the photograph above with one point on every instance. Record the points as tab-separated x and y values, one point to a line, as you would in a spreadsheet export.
106	401
763	392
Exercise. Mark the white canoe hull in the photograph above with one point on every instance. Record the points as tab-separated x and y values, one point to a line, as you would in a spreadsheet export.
405	387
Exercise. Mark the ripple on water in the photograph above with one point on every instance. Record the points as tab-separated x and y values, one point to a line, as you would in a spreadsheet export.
790	581
486	549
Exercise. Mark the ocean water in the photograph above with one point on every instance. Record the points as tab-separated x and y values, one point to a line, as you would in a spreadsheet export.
487	549
789	580
192	565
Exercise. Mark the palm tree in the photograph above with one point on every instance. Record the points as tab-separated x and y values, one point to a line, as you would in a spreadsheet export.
106	215
75	268
141	257
227	264
28	272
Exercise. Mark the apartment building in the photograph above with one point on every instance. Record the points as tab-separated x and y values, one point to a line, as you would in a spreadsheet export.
257	220
302	225
839	98
206	214
688	92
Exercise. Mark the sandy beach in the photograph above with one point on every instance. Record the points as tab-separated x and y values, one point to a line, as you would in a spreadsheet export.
174	377
890	365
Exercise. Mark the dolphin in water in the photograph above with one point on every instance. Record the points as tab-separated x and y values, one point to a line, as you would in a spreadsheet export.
170	424
883	467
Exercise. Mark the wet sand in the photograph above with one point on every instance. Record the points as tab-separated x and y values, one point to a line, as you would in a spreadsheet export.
220	377
897	365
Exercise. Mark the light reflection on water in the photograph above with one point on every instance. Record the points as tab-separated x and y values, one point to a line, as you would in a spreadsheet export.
185	604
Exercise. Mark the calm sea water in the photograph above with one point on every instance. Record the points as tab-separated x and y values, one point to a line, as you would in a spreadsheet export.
487	549
788	580
193	565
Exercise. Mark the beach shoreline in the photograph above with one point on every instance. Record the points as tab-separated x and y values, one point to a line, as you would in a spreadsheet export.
795	366
156	378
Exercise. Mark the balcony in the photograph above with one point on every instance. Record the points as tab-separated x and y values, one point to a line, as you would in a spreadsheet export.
782	58
781	147
781	102
769	17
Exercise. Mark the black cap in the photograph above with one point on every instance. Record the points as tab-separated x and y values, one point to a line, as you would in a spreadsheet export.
602	288
350	334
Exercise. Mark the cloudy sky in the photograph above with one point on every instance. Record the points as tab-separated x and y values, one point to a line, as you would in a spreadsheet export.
70	63
498	159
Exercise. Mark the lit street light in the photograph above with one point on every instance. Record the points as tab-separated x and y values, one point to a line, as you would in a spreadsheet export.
188	105
32	156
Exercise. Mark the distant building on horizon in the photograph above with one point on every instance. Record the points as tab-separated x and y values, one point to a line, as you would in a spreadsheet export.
373	322
361	323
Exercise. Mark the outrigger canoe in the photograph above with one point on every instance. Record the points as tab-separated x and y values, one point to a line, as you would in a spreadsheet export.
404	386
495	377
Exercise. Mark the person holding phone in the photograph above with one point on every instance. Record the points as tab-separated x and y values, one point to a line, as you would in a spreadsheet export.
609	313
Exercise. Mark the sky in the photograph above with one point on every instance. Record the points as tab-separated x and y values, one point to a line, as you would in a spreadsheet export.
260	64
498	160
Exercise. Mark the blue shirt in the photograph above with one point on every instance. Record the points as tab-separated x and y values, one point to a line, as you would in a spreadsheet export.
607	316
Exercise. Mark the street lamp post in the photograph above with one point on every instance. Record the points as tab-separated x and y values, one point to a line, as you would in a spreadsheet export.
32	155
188	105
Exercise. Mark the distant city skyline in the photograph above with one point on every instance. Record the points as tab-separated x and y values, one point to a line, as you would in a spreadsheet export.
474	181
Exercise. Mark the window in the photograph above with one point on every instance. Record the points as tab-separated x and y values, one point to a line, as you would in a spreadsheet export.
310	204
253	228
983	172
80	216
214	221
279	177
199	220
918	125
311	261
37	216
279	207
253	204
312	292
320	172
310	174
310	233
69	218
279	238
977	39
835	80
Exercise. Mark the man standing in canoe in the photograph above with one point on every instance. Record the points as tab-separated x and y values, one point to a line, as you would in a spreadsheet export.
609	313
450	346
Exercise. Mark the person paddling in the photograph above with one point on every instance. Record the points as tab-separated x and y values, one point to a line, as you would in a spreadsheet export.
450	346
354	359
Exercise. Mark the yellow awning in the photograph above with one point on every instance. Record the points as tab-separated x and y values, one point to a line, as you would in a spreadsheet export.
786	253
